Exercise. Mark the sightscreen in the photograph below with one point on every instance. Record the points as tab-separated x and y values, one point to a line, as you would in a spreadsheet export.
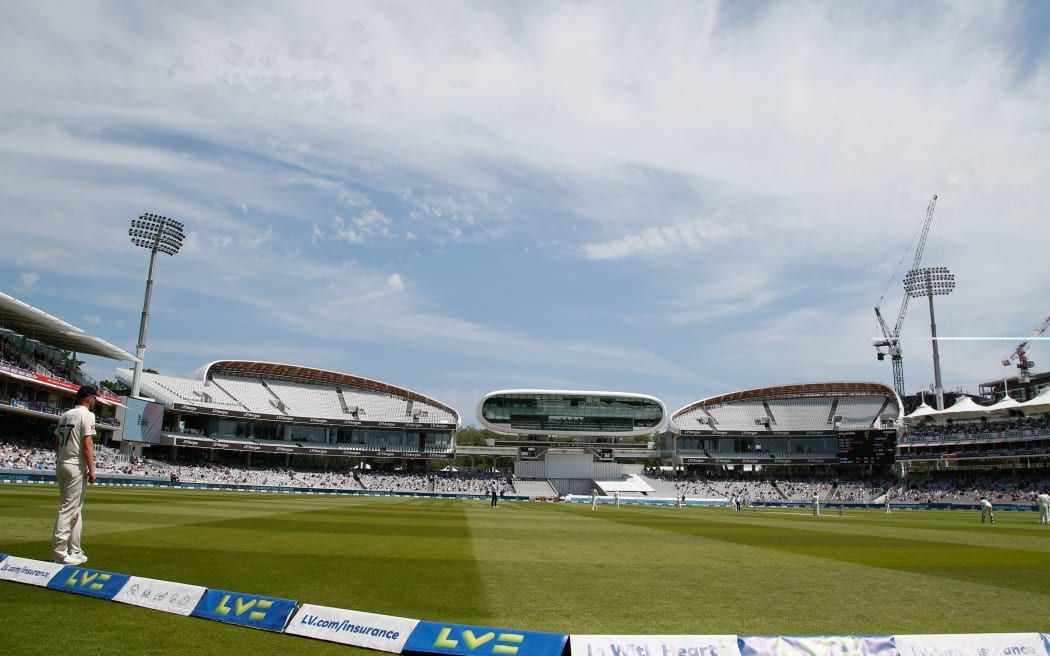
142	421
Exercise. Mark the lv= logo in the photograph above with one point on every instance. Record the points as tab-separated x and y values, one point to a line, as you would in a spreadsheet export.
472	641
84	579
240	607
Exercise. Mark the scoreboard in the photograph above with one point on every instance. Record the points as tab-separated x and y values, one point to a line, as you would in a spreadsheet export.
867	447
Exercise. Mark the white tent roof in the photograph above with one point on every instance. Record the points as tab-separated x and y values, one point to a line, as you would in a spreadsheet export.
1003	406
924	410
963	408
1037	404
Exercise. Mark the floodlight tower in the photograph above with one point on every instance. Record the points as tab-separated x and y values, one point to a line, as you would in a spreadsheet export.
930	282
160	235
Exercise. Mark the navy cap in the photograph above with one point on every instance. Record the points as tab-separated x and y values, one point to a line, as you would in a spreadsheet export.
86	391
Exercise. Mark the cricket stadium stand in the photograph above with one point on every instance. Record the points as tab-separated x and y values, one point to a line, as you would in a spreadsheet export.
40	371
831	423
1007	433
273	408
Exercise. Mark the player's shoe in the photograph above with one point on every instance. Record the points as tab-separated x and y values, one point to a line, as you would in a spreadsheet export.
80	556
65	559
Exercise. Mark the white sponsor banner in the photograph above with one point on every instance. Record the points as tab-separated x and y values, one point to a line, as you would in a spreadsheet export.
971	644
351	627
170	597
654	645
25	570
828	645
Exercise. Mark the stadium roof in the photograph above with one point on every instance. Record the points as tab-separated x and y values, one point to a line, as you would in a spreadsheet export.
800	390
924	410
966	408
310	376
31	323
1037	404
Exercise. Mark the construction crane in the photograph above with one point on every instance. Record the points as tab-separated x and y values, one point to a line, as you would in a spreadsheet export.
890	344
1024	365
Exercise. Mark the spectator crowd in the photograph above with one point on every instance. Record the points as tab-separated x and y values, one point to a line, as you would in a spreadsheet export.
22	456
1002	487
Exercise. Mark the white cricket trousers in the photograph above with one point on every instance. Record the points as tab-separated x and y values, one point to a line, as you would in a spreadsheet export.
72	481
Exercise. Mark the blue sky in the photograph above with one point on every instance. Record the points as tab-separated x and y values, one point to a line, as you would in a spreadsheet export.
673	198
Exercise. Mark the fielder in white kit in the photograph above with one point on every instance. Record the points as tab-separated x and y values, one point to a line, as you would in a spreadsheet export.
74	468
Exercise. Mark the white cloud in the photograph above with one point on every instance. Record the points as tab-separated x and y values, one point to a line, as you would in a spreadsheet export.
28	279
348	234
372	222
369	224
702	234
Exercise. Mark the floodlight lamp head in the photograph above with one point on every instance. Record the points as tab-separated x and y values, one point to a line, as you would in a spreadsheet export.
931	281
157	232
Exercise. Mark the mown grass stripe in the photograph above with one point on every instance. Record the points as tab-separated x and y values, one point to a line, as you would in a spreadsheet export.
545	567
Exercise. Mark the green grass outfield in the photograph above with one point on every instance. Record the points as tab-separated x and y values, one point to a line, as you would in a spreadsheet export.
546	567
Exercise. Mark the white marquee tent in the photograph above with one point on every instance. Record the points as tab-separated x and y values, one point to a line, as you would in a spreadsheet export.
924	410
966	408
1003	406
1038	404
963	408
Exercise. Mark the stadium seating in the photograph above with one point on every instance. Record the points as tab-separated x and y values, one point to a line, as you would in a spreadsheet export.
182	390
535	489
860	412
661	487
801	414
309	400
251	394
738	416
265	396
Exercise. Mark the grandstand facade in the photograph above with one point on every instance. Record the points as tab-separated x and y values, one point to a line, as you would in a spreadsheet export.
40	371
1008	434
265	407
836	423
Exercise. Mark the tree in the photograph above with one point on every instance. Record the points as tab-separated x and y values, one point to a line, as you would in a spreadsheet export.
69	362
474	436
116	388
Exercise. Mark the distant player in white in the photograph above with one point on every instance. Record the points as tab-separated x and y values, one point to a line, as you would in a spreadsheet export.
816	504
74	467
1044	508
986	510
